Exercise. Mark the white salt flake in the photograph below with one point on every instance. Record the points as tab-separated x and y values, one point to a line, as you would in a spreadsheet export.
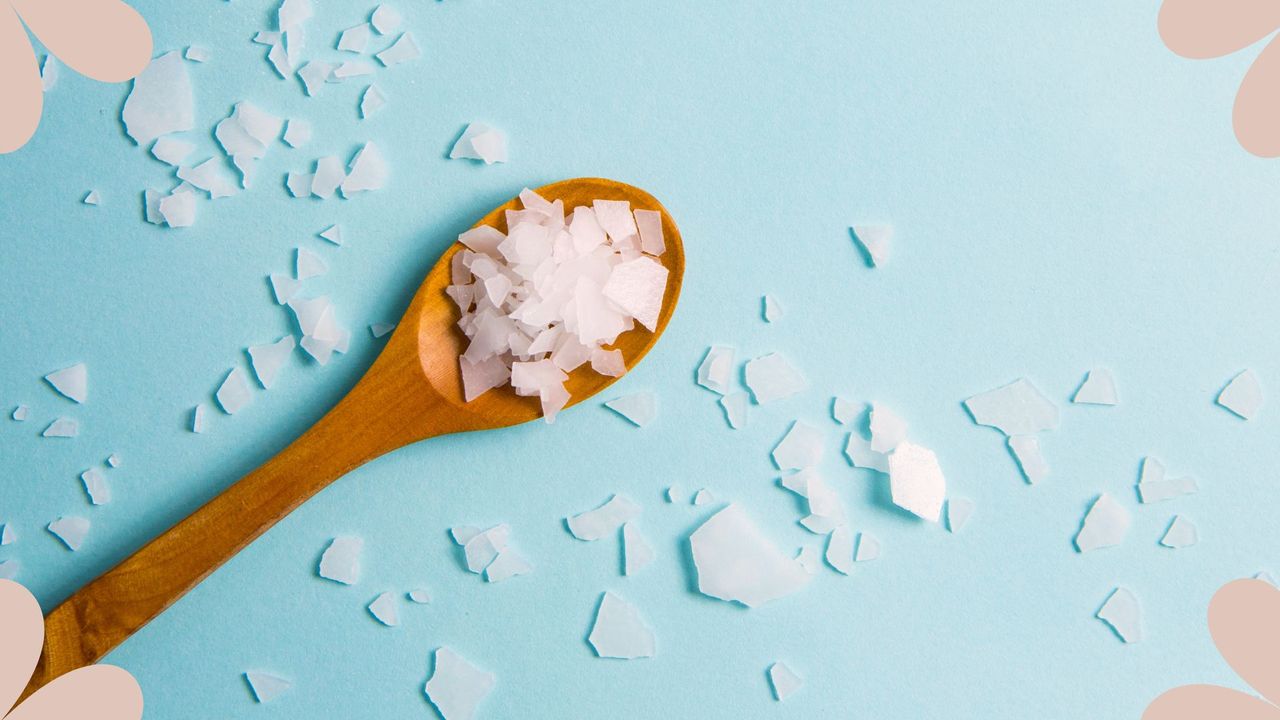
210	176
113	460
1105	525
736	563
171	150
1243	395
1181	533
462	534
916	481
609	363
92	198
1268	578
62	428
265	686
20	413
385	610
959	511
839	553
703	497
8	535
385	20
71	382
420	596
267	37
161	101
234	394
292	14
1026	450
95	486
619	631
151	206
735	409
483	548
616	219
716	371
875	241
1098	388
368	171
268	359
198	54
328	176
381	329
285	288
771	377
674	494
178	208
604	520
340	562
457	687
508	564
333	234
637	553
491	141
308	264
1122	612
649	225
888	430
297	133
868	548
801	447
70	530
810	558
640	408
314	75
278	56
858	450
783	681
772	310
197	419
637	286
1018	408
355	39
402	50
299	184
843	411
350	69
48	73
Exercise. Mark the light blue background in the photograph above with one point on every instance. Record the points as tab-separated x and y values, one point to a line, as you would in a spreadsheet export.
1066	193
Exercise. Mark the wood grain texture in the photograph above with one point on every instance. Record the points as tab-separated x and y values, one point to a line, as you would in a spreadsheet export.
412	392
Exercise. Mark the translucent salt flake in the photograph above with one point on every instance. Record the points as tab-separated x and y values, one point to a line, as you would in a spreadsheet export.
1122	612
735	409
736	563
604	520
1026	450
810	558
1181	533
637	553
355	39
70	530
637	286
801	447
1268	578
457	687
92	198
284	287
350	69
161	101
783	681
278	56
151	206
843	411
309	264
372	101
462	534
385	20
210	176
268	359
420	596
481	549
171	151
62	428
333	234
340	562
402	50
716	371
113	460
508	564
674	494
1105	525
265	686
492	142
959	510
234	394
328	176
9	569
609	363
916	481
267	37
771	377
314	75
858	450
71	382
1018	408
619	631
875	241
197	419
703	497
367	171
640	408
95	486
479	378
888	430
1098	388
1243	395
839	553
8	535
868	548
299	184
20	413
48	73
772	310
178	208
297	133
381	329
198	54
385	610
1154	487
649	225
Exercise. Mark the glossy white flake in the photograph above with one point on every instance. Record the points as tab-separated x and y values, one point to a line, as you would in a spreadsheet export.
1105	525
736	563
619	631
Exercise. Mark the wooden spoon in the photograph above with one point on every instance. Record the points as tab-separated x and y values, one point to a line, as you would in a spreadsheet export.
412	392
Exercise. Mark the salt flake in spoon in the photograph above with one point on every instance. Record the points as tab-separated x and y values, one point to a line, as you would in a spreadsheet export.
604	520
457	687
340	562
771	377
71	382
736	563
640	408
619	631
1243	395
637	286
649	225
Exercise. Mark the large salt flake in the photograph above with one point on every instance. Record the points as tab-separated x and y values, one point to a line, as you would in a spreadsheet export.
368	171
619	631
640	408
771	377
161	101
637	286
1105	525
70	530
457	687
916	481
71	382
801	447
1243	395
340	562
736	563
1123	613
1098	388
604	520
1014	409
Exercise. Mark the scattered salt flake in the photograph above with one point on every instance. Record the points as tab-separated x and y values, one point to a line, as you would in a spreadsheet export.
402	50
8	535
265	686
368	171
1098	388
384	609
210	176
1105	525
801	447
381	329
478	137
278	56
1026	450
637	553
1243	395
736	563
171	150
20	413
619	631
703	497
888	430
858	450
314	75
355	39
959	511
875	241
328	176
197	419
810	558
1122	612
92	198
1018	408
385	20
637	286
113	460
839	553
350	69
299	184
916	481
649	225
1267	577
9	569
674	494
269	358
771	377
233	395
481	549
868	548
783	681
1181	533
508	564
1150	491
820	524
772	310
421	596
178	208
284	287
297	132
716	371
48	73
309	264
267	37
71	382
292	14
604	520
333	234
62	428
95	486
340	562
735	409
198	54
70	530
640	408
161	100
457	687
843	411
151	206
462	534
